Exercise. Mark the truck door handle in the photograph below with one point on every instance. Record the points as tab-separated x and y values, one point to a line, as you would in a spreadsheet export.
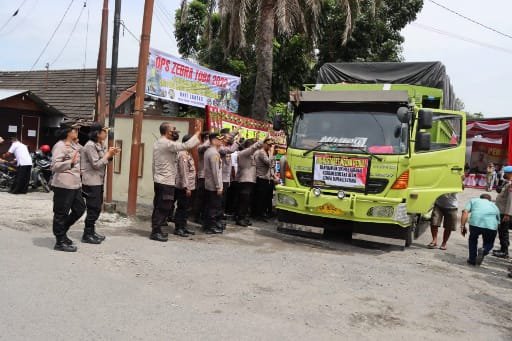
458	169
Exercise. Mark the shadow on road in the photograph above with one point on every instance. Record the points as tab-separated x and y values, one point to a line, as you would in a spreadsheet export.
44	242
332	241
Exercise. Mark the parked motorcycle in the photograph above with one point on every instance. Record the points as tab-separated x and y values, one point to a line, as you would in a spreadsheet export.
41	171
7	175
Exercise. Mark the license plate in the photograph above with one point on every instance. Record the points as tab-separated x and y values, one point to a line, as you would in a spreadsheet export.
329	209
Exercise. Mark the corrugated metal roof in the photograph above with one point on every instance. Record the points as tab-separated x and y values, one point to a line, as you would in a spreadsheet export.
72	92
6	93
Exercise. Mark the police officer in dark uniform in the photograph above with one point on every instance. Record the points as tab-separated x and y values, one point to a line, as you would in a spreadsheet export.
165	155
264	180
213	186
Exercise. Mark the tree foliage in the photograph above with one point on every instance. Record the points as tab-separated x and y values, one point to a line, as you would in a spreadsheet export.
339	30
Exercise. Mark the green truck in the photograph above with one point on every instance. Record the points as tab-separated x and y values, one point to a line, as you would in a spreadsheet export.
372	146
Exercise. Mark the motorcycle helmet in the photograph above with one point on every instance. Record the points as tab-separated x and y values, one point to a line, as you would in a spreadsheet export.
45	148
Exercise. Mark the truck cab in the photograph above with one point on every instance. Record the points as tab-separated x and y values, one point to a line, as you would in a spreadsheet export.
369	158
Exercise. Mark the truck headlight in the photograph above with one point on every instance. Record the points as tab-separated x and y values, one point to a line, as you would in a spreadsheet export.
381	211
341	194
286	200
317	191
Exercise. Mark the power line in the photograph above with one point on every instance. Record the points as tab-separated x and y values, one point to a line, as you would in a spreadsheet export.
51	37
31	12
129	32
70	33
471	20
460	37
164	10
159	19
13	15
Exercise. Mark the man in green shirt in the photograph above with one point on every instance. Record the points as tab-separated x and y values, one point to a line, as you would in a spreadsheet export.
484	218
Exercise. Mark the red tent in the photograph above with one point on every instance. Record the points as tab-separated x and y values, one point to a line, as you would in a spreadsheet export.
493	128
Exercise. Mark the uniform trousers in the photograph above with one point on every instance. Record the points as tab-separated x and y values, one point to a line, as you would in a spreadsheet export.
183	204
68	207
245	190
162	203
213	209
503	235
263	199
93	201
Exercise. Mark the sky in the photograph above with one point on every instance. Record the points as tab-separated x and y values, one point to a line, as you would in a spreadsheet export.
477	60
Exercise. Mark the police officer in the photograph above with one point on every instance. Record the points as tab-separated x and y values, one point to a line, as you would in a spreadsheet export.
246	177
229	146
504	203
213	186
264	180
165	154
68	203
93	161
185	186
200	192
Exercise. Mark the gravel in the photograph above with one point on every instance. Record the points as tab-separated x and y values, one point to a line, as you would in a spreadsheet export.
248	284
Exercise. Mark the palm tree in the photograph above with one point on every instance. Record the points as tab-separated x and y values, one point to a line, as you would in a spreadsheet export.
283	17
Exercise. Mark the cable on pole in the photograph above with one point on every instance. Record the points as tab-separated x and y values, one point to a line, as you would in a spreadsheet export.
70	34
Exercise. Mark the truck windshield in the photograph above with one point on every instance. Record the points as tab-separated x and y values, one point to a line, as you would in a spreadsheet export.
375	132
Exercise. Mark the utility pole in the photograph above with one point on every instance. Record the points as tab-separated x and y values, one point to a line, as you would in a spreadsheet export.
101	92
139	107
113	96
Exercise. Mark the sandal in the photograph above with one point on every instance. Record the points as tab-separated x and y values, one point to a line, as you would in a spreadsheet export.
442	248
432	245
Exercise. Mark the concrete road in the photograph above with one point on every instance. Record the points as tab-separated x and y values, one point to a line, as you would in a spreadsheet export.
248	284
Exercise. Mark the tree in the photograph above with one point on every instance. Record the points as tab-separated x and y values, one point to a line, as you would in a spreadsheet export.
301	41
285	17
375	34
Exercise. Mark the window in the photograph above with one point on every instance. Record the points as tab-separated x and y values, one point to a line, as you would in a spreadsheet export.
445	132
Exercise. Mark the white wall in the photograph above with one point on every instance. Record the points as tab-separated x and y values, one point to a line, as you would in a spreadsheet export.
150	132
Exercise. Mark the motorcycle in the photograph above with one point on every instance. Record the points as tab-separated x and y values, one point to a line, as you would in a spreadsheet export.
41	173
7	176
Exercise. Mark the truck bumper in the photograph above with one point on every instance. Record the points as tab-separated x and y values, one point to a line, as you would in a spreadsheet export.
368	214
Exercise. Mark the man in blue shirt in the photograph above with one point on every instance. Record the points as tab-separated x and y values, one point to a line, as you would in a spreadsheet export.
484	218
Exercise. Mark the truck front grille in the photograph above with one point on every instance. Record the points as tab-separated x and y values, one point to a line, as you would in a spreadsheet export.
374	186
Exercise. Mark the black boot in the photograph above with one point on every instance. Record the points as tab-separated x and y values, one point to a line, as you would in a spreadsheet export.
500	254
97	235
90	239
187	231
60	245
180	232
156	234
67	241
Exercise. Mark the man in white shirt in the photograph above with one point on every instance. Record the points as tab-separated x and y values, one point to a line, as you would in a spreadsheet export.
24	165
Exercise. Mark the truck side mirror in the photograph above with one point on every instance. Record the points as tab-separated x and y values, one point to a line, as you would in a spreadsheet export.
277	123
425	118
422	141
403	114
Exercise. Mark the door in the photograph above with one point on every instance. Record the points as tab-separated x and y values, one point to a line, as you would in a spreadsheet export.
30	132
440	169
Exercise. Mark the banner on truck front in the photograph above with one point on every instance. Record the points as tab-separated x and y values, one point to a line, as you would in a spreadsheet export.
181	81
340	171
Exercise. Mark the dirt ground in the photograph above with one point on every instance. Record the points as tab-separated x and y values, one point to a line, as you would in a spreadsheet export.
248	284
